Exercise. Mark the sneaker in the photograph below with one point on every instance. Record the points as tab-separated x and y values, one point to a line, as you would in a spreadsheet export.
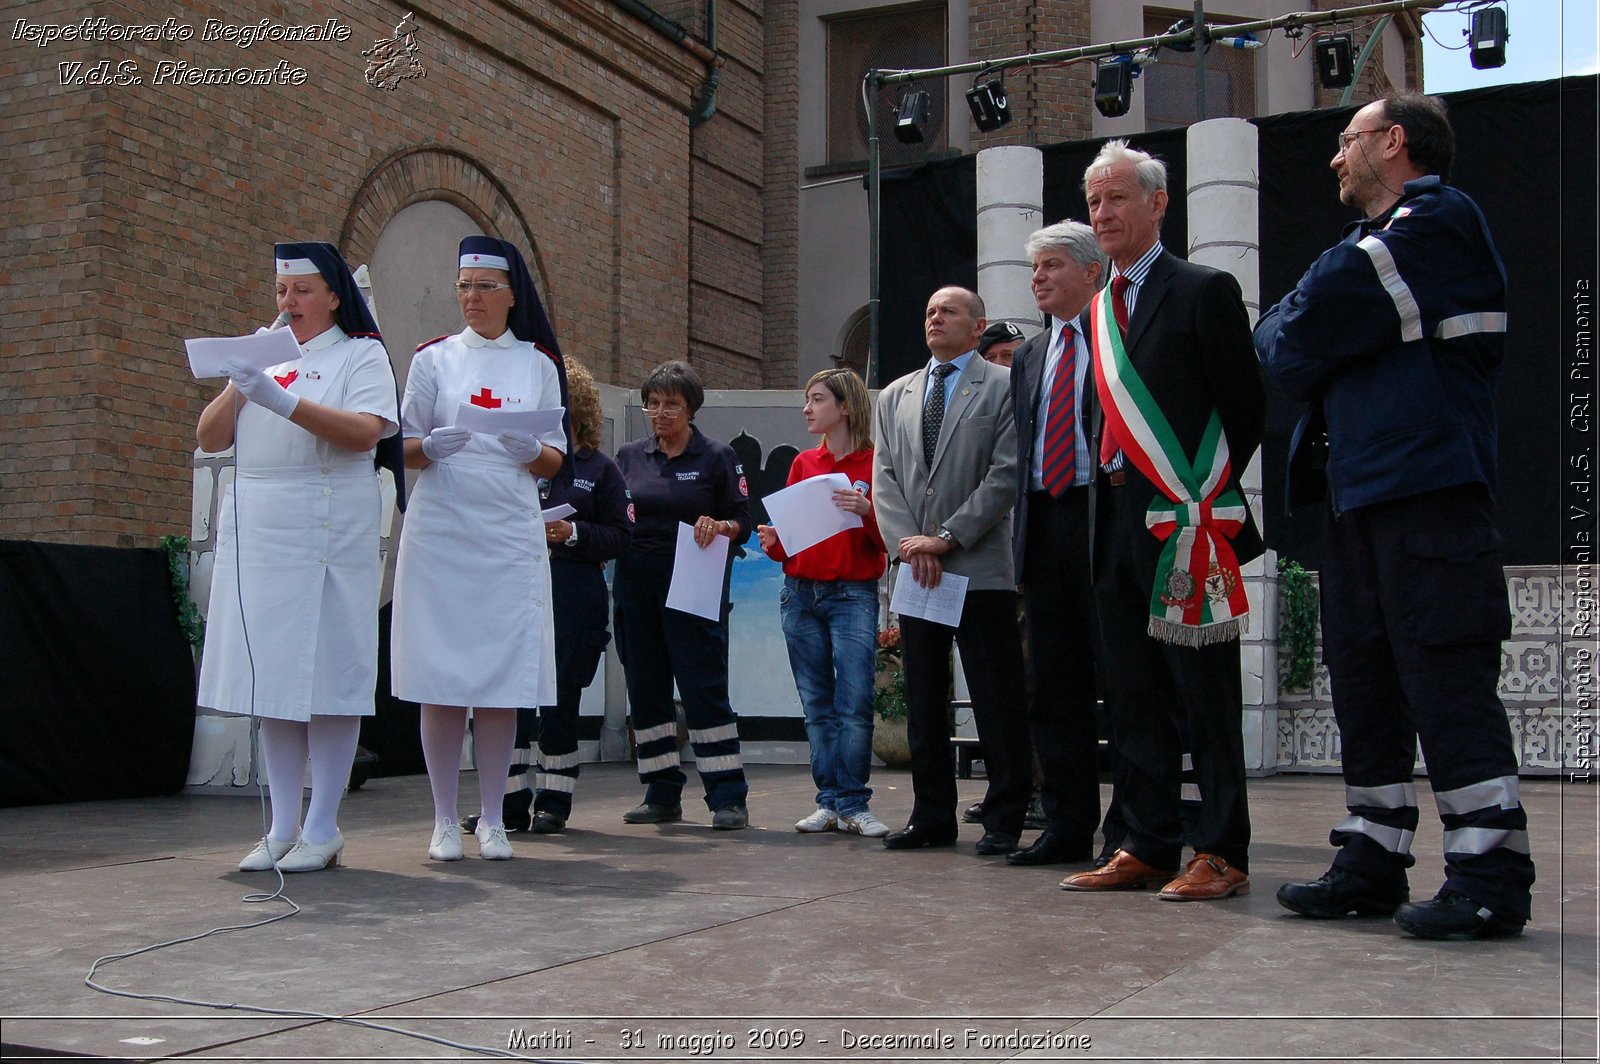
864	823
650	813
730	818
446	842
492	842
821	820
1452	917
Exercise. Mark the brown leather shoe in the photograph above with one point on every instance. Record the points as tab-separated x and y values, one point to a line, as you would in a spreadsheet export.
1123	872
1207	878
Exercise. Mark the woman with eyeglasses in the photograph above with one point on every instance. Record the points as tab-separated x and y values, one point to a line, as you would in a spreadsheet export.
829	608
472	611
292	629
678	474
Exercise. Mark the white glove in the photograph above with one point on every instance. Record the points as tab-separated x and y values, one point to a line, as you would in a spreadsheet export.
255	385
523	448
444	441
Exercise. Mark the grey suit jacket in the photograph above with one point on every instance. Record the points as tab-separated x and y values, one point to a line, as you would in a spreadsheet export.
971	486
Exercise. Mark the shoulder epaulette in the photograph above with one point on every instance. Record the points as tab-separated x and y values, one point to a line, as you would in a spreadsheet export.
435	340
367	336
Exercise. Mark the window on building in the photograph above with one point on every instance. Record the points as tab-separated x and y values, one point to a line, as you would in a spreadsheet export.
901	38
1168	84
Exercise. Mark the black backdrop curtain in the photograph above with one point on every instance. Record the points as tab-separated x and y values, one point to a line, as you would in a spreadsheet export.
99	685
1526	153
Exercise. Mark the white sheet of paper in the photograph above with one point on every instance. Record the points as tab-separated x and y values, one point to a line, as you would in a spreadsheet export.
804	514
559	511
209	354
697	575
493	422
941	605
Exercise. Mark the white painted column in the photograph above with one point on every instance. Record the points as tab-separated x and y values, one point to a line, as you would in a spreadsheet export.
1010	207
1223	193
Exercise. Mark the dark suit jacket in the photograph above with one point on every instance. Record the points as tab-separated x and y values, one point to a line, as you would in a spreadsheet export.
1189	339
1027	378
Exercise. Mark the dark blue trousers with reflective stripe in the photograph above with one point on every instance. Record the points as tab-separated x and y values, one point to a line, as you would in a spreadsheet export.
1413	612
578	590
659	646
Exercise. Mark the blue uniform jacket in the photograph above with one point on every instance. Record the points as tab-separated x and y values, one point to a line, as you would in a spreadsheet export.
604	518
1394	337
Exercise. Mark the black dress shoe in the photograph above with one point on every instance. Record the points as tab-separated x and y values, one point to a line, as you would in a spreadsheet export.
916	836
1052	847
973	814
1453	917
1034	818
995	843
1341	892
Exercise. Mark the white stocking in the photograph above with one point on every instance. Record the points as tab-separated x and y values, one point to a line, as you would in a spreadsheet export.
443	728
283	747
333	751
494	734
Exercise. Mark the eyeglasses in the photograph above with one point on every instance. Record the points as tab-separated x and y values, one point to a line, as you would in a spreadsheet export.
658	409
1345	139
483	288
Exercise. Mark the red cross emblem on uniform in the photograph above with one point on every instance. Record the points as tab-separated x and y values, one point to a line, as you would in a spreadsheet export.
485	398
287	379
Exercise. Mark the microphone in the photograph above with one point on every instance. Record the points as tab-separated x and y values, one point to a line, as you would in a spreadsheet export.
279	322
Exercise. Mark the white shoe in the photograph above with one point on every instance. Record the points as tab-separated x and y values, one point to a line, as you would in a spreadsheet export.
864	823
312	857
492	844
821	820
446	842
264	856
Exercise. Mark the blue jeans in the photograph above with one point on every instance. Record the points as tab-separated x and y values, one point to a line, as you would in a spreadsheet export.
831	627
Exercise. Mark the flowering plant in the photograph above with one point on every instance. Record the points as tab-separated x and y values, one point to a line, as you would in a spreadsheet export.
889	683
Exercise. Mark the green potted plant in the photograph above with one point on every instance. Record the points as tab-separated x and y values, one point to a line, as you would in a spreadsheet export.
889	740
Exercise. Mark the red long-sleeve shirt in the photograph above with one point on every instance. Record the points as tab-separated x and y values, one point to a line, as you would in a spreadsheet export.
854	554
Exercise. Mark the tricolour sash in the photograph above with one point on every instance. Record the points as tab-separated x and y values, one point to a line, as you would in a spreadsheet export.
1198	596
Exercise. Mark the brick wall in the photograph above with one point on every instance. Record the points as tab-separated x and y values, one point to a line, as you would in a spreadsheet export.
143	213
1048	104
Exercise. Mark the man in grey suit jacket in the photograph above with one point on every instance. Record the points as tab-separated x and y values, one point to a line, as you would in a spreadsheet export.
944	484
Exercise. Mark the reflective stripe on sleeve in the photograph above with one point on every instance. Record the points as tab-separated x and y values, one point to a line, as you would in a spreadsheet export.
1489	321
1389	276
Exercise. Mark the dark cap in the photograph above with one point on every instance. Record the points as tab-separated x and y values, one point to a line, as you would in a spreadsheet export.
1001	332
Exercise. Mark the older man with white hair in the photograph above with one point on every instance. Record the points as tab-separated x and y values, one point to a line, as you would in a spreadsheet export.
1179	410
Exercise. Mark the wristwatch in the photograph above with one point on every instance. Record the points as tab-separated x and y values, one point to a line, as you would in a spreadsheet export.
946	535
572	540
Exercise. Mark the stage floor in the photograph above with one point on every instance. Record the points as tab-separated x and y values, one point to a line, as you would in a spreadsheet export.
614	942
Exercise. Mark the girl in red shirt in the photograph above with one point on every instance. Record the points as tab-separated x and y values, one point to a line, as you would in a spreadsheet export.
829	608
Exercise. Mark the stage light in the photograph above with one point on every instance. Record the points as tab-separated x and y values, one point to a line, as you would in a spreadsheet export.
911	117
1334	67
1113	87
990	108
1488	38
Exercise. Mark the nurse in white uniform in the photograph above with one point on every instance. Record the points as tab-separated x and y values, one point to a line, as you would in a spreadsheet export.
472	615
292	629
